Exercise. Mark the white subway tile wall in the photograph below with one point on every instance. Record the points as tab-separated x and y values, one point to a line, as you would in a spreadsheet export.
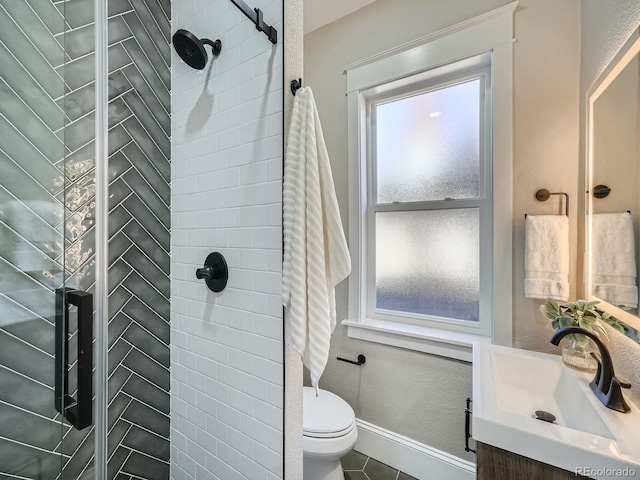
227	348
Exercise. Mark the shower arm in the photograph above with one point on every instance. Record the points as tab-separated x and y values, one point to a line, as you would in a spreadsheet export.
216	46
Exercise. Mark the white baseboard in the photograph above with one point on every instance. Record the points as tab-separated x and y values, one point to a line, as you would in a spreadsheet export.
411	457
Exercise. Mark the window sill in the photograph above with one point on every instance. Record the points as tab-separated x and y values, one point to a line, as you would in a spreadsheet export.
444	343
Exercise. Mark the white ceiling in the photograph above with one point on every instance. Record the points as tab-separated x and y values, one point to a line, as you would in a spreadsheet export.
318	13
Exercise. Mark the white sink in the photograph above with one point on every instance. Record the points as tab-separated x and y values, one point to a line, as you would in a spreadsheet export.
525	384
510	385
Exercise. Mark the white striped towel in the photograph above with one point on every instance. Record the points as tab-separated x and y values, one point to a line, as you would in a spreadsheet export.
316	255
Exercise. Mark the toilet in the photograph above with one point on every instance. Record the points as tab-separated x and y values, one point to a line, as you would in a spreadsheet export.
329	432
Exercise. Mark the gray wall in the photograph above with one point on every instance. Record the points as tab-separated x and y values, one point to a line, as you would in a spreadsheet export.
414	394
606	27
546	132
44	128
419	395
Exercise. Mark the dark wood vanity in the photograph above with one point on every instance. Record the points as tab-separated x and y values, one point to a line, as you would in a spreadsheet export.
496	464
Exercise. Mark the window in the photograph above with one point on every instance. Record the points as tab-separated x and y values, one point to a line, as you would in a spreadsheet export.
429	200
429	233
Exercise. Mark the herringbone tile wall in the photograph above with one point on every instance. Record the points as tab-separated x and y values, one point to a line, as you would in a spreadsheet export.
31	235
139	238
44	55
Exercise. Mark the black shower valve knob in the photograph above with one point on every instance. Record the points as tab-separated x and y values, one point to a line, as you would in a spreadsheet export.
214	272
207	273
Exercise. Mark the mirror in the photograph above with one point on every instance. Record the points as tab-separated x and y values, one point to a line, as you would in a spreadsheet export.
613	188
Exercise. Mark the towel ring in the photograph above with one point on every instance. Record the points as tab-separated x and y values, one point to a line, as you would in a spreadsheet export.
543	195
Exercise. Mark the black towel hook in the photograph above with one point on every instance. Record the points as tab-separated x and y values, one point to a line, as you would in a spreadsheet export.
601	191
296	85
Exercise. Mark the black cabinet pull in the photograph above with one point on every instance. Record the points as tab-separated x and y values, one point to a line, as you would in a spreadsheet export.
78	411
467	427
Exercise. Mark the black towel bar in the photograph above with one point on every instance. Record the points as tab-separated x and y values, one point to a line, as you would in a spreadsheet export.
360	362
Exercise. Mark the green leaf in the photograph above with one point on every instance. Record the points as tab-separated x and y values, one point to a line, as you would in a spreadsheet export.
585	322
578	337
565	321
600	331
545	311
613	322
617	326
550	309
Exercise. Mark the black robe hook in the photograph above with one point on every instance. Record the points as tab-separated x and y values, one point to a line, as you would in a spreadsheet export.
296	85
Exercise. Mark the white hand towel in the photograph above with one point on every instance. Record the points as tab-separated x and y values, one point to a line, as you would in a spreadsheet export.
316	255
546	258
614	259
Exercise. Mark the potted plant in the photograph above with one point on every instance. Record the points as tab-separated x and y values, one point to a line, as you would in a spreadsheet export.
576	352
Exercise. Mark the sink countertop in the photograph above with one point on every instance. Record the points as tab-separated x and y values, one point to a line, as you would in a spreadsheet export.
510	384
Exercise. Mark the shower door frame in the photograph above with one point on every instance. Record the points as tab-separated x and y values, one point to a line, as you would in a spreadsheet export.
101	314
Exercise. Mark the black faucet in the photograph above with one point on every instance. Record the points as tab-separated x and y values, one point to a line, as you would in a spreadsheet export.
606	386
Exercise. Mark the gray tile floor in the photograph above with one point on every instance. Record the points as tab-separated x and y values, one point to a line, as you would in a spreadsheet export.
357	466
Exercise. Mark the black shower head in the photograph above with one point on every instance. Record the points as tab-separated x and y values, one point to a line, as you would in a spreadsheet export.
191	49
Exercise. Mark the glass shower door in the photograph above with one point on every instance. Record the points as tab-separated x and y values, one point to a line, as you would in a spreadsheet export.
46	243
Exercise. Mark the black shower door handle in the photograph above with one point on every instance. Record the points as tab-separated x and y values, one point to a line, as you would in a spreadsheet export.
78	411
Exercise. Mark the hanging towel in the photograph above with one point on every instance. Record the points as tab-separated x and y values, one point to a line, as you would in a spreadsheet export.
614	259
546	258
316	255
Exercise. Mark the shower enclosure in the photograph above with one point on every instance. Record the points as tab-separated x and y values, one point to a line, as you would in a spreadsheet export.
84	239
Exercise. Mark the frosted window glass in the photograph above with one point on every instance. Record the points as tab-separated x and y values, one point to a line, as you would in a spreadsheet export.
427	262
428	146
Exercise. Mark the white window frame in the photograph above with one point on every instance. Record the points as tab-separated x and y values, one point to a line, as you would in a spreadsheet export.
368	161
488	34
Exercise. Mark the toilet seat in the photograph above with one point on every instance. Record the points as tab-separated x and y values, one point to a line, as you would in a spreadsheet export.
340	433
326	416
